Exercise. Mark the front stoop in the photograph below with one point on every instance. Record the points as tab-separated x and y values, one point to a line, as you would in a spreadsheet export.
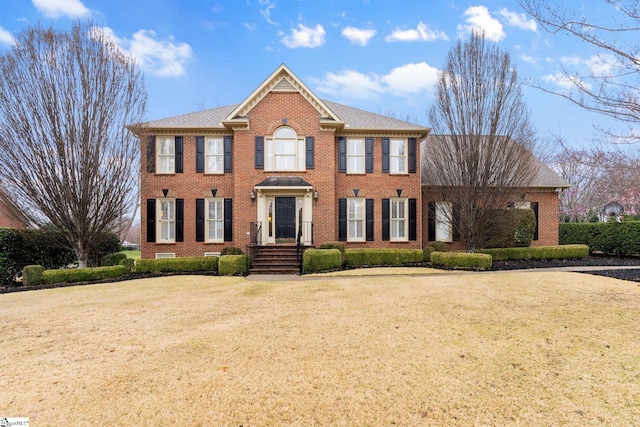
275	259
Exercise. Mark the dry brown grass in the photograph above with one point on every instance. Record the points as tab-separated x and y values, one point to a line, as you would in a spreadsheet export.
482	349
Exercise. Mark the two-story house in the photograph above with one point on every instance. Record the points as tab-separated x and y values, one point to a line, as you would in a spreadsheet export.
280	167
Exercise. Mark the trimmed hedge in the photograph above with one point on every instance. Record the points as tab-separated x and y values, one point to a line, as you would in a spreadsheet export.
32	275
113	259
73	275
231	250
382	257
130	263
538	252
508	228
177	265
609	238
315	260
233	265
462	260
334	245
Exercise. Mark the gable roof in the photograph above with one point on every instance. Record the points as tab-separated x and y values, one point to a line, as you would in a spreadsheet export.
332	114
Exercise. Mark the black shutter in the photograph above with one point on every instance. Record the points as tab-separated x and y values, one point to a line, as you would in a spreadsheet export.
342	220
369	219
534	207
151	220
342	155
456	222
228	147
431	221
412	155
199	220
179	149
385	155
386	235
151	154
199	154
259	152
179	220
309	142
368	143
413	219
228	220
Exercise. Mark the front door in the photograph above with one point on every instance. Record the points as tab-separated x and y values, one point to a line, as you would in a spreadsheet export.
285	219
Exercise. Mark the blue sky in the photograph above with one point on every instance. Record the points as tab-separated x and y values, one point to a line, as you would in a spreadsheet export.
378	55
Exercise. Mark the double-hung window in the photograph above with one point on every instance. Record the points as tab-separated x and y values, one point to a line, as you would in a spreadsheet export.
285	151
398	156
355	155
166	155
215	220
398	219
166	220
214	155
444	217
356	219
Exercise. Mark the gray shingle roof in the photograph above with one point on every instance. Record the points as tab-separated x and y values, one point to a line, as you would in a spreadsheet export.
352	117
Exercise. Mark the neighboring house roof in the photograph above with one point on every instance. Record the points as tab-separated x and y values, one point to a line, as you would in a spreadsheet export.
10	214
545	177
332	114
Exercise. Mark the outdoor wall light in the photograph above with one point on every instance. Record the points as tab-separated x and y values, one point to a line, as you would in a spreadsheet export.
253	195
315	195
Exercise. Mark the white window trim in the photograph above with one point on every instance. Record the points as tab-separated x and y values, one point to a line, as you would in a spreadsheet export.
444	226
405	158
168	222
208	221
171	157
351	155
361	201
207	155
394	221
160	255
522	205
271	157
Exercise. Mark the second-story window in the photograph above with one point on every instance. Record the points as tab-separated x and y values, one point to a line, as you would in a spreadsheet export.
355	155
214	155
166	155
284	151
397	156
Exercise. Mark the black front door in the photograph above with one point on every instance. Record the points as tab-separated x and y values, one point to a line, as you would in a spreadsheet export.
285	218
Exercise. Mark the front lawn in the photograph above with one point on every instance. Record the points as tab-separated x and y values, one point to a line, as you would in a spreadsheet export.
509	348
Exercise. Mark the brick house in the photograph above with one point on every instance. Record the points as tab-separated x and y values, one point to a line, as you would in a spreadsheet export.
10	214
282	166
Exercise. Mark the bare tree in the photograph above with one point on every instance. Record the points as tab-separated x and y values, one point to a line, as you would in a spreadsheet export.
65	98
612	88
481	143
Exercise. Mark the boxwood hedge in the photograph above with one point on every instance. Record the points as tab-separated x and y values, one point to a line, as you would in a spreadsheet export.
315	260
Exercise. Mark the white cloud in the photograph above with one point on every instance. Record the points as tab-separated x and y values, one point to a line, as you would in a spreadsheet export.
597	65
305	37
266	12
479	19
57	8
358	35
518	20
6	37
162	58
529	59
403	81
564	83
422	33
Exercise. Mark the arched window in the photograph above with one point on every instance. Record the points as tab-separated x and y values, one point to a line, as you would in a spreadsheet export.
285	151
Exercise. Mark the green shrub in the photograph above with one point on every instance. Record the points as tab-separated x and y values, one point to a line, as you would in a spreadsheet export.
177	265
113	259
74	275
462	260
129	263
315	260
334	245
382	257
440	246
426	253
610	238
509	228
233	265
32	275
231	250
106	243
538	252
